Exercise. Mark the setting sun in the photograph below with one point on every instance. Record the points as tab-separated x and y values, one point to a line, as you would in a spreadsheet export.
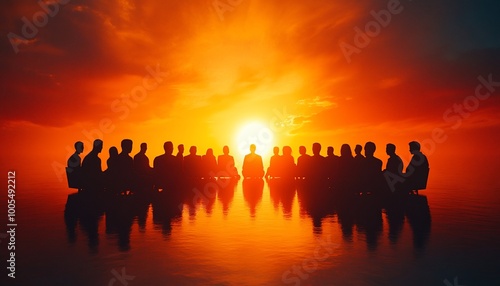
257	133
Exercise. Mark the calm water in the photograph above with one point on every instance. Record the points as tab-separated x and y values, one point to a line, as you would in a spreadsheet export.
252	236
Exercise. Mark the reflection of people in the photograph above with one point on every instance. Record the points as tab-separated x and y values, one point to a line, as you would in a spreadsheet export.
225	163
252	164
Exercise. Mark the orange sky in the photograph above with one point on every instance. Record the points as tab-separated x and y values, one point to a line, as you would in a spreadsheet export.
184	71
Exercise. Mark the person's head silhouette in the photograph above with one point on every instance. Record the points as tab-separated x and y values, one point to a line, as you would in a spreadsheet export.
126	146
144	147
390	149
358	149
370	149
192	150
180	148
79	147
316	148
276	150
225	150
345	151
97	146
302	150
113	152
287	151
168	147
210	152
414	147
329	151
252	148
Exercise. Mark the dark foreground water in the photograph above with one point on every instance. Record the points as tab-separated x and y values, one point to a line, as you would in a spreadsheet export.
256	236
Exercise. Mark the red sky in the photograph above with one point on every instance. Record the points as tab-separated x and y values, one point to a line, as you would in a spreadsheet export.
198	74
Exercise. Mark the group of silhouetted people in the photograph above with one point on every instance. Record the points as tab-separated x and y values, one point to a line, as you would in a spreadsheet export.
346	173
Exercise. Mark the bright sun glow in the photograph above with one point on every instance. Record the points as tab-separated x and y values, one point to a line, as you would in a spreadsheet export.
254	133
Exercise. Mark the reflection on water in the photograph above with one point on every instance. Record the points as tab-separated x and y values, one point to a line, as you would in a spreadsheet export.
258	233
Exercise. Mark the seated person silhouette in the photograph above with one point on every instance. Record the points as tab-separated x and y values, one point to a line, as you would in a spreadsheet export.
209	164
273	169
317	163
287	165
74	168
394	163
252	164
372	170
303	163
164	167
192	164
91	168
417	171
225	164
142	169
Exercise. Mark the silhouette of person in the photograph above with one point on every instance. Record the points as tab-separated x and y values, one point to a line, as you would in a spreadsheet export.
74	167
345	176
288	166
303	163
252	164
164	166
192	164
209	164
74	161
141	161
372	169
332	162
142	169
91	168
357	150
225	164
318	166
417	170
180	159
125	165
273	169
394	163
